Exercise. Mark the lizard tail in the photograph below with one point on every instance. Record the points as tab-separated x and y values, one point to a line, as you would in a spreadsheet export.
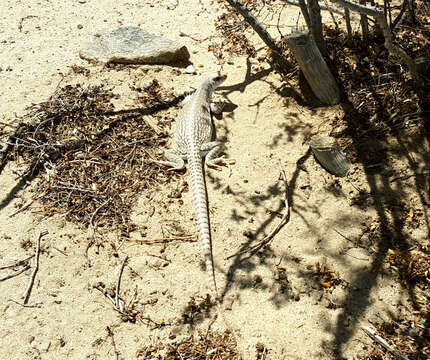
198	190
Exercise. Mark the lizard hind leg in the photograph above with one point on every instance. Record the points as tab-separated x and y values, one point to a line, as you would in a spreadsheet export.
212	149
175	159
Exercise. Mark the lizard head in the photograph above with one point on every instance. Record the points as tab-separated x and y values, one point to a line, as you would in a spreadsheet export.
217	79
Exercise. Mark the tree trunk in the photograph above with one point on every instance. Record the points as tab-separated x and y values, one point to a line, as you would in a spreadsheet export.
348	23
364	23
314	67
316	25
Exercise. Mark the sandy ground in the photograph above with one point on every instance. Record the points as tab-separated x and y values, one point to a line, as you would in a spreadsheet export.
266	133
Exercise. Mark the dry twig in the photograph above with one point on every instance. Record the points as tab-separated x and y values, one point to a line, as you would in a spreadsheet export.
25	206
118	284
16	273
36	305
372	333
18	263
27	291
185	238
110	334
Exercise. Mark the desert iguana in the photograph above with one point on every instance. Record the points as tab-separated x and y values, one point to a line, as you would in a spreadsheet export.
193	131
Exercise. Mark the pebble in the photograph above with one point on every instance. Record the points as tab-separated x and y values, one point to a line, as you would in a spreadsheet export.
80	26
413	332
190	69
82	1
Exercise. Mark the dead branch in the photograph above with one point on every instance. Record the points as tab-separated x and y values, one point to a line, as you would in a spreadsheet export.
18	263
16	273
372	333
27	291
261	31
400	15
316	25
305	13
185	238
325	7
389	44
110	334
348	23
331	14
119	283
285	218
364	23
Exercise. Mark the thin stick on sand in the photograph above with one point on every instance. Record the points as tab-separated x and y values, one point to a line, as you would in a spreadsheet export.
27	291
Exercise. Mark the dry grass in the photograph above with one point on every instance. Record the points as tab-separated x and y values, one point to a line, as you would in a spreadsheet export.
92	161
208	346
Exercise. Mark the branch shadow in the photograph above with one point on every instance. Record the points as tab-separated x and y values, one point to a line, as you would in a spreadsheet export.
394	233
242	260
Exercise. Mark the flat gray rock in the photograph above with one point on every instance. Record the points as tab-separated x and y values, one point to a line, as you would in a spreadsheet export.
330	155
132	45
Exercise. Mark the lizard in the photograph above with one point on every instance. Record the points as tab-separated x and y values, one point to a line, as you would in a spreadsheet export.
193	132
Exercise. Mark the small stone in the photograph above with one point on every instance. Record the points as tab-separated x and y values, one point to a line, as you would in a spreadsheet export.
190	69
80	26
412	332
82	1
132	45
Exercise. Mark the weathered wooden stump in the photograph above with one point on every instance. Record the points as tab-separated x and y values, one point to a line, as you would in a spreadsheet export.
314	67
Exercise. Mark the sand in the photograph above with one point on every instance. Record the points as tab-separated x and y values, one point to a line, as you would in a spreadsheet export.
265	134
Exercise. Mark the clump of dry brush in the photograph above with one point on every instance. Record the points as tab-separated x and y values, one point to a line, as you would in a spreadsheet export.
90	161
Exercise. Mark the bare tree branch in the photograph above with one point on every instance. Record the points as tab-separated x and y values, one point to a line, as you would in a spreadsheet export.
316	27
392	48
333	9
305	13
261	31
348	23
364	23
400	15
